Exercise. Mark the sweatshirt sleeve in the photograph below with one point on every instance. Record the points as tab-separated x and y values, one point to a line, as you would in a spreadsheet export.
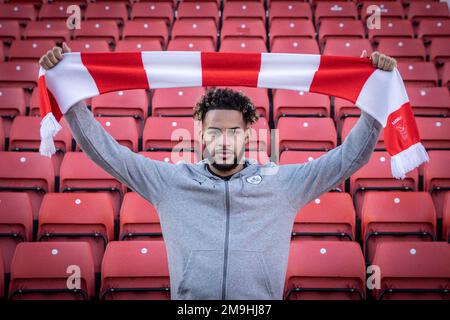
308	181
150	178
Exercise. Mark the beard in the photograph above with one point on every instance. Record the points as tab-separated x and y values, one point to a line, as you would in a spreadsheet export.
225	166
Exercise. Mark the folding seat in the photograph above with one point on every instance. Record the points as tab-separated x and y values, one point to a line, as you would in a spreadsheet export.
22	12
33	103
332	29
446	75
242	28
196	10
432	29
85	217
418	74
172	156
138	45
156	10
19	74
391	28
289	10
305	46
396	216
388	9
244	10
413	270
403	49
243	45
376	176
329	217
2	136
9	30
175	101
2	276
30	50
258	96
436	178
306	134
300	103
325	270
98	30
434	132
261	156
348	124
53	30
197	44
27	172
344	109
432	101
12	104
115	11
80	174
347	47
146	30
195	28
167	133
291	29
135	270
132	103
419	11
88	45
52	271
446	218
440	50
16	224
331	10
259	136
54	11
139	219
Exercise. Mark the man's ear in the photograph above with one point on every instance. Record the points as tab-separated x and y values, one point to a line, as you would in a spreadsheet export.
248	132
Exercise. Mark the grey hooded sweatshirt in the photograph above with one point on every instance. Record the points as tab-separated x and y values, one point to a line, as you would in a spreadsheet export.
225	239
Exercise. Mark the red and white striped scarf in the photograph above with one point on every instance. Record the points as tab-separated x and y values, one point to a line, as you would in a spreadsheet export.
380	93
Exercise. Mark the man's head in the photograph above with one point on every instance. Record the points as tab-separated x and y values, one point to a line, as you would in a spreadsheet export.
226	116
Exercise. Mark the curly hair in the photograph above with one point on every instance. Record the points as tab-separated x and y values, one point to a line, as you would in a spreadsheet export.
225	99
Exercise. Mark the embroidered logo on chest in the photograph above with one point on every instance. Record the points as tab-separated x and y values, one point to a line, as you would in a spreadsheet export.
254	179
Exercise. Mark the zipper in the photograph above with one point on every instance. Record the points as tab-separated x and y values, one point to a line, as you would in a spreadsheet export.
227	236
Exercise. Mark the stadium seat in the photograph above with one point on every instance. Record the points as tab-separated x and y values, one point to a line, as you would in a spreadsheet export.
446	75
54	11
175	101
115	11
396	216
152	11
146	30
2	136
139	219
391	28
80	174
347	47
403	49
9	30
85	217
325	270
250	10
98	30
329	217
134	270
418	74
388	9
172	156
434	132
440	50
432	101
419	11
195	10
291	29
195	28
19	74
30	50
306	134
413	270
53	30
289	10
243	45
138	45
332	29
27	172
2	276
22	12
446	218
193	44
339	11
259	98
347	125
88	45
242	28
305	46
344	109
16	224
432	29
12	104
43	271
259	136
300	103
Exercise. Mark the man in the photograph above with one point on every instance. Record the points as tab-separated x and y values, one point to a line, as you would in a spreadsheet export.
226	220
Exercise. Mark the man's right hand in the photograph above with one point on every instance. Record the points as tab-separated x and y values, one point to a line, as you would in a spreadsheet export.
53	57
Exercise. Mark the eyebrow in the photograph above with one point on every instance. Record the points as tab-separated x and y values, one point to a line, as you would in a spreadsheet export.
221	129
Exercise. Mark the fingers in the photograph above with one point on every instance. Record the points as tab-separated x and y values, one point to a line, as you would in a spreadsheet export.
383	62
375	56
45	62
364	54
53	57
57	52
66	48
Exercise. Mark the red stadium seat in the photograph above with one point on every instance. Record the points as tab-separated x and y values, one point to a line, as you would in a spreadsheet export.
446	218
195	28
2	276
12	102
85	217
242	28
388	9
19	74
152	11
54	11
306	134
289	10
2	136
9	30
396	216
347	47
391	28
329	217
300	103
432	101
243	45
172	156
134	270
175	101
305	46
193	44
22	12
16	224
138	45
349	123
413	270
291	29
418	74
107	11
146	30
259	136
196	10
80	174
419	11
331	10
88	45
446	75
332	29
139	219
325	270
98	30
30	50
432	29
53	30
434	132
244	10
343	109
440	50
403	49
43	271
27	172
34	103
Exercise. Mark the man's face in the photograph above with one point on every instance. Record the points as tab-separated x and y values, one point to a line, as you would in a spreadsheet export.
224	135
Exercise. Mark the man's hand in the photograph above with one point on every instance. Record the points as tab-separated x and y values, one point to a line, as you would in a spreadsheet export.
53	57
381	61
